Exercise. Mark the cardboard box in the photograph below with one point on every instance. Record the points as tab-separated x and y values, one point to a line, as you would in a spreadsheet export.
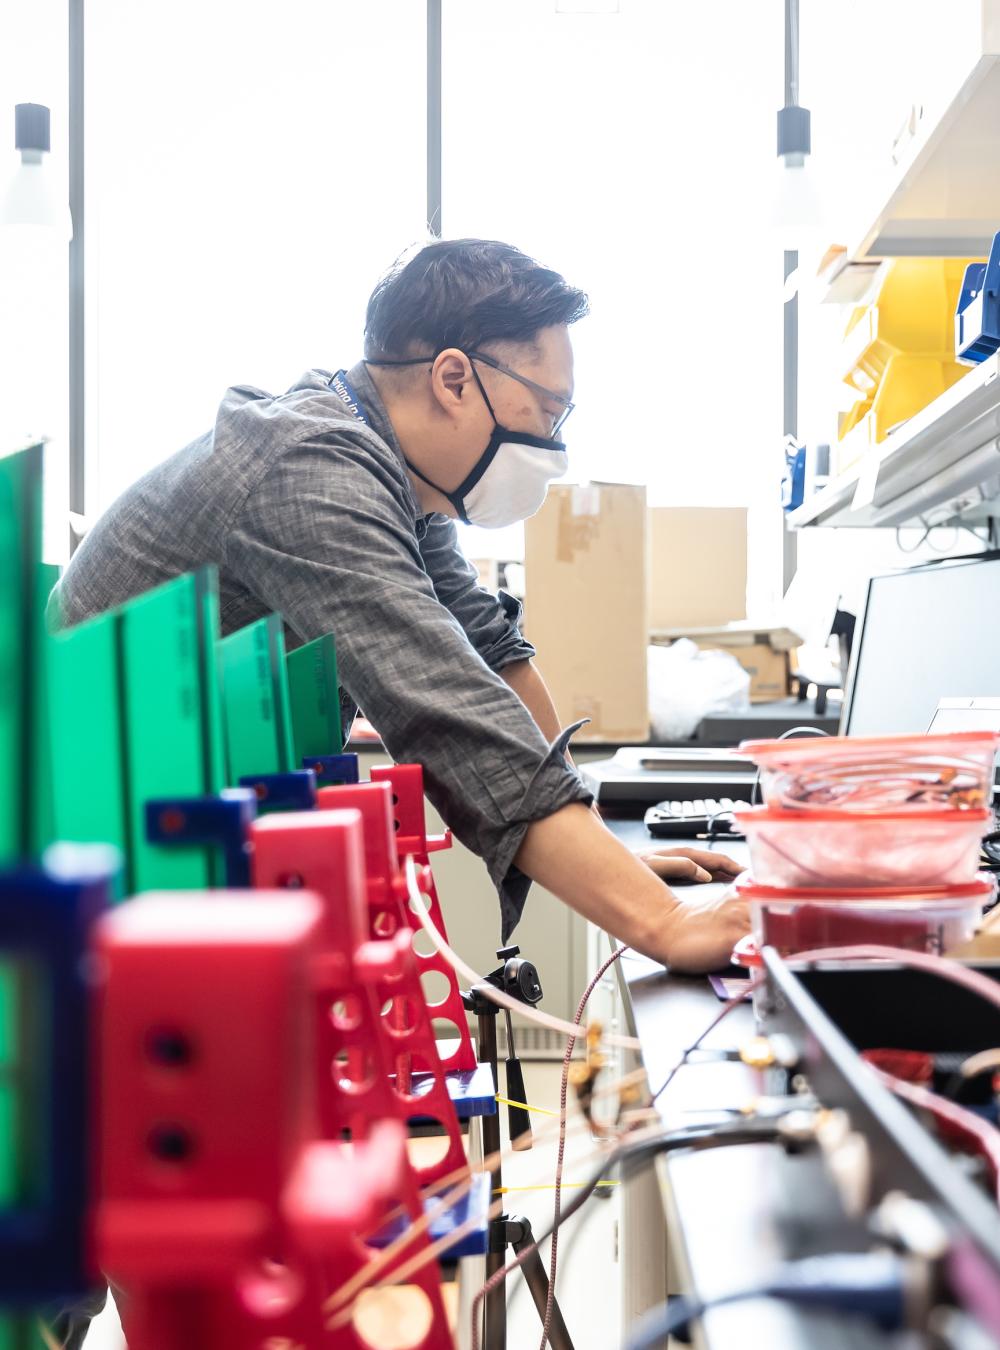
487	572
586	606
764	652
768	670
697	566
985	945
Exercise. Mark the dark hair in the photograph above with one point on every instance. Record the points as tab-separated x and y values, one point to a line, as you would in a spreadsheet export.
464	293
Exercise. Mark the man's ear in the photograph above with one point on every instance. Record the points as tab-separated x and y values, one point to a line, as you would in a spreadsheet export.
450	374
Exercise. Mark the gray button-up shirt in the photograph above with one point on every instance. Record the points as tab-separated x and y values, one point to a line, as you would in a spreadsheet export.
307	511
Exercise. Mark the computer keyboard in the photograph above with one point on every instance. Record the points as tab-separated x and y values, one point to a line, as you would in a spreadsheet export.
686	820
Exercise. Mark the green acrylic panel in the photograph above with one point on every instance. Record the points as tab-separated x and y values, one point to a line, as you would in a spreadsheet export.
85	701
22	1331
42	803
170	681
255	699
9	1144
282	700
20	550
207	582
21	1031
314	693
10	1096
12	673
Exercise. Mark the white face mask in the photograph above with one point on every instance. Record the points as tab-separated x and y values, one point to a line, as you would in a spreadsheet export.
509	480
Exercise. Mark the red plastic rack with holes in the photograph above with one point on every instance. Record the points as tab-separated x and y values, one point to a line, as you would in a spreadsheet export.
392	806
220	1212
365	1060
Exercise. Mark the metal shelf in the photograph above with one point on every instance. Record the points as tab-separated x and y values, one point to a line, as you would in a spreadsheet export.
945	458
831	505
943	197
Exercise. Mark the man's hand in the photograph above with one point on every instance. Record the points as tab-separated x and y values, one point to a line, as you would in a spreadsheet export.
690	864
585	865
699	934
701	937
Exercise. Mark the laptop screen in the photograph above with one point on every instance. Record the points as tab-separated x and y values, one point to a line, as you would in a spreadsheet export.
966	714
927	634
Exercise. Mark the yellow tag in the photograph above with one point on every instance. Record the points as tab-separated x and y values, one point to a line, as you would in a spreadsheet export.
541	1110
757	1053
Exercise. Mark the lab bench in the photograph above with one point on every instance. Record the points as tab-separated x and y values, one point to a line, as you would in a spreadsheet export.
700	1222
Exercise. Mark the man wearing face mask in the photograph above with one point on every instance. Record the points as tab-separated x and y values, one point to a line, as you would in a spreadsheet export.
334	503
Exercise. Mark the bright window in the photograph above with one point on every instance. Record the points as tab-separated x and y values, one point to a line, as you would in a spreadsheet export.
34	261
252	169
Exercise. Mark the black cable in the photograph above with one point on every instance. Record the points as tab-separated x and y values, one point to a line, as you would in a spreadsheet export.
691	1136
715	831
726	1009
785	736
873	1285
633	1153
991	848
920	541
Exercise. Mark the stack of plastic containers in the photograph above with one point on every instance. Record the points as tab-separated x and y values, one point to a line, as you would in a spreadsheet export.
868	840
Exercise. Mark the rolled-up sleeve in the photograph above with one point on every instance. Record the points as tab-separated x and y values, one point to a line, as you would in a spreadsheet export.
490	621
326	539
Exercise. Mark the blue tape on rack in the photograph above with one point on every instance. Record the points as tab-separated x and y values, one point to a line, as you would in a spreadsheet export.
222	822
793	482
294	791
473	1207
977	316
472	1091
46	913
333	770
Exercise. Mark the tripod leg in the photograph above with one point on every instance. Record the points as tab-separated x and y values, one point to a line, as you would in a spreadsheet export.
495	1303
538	1282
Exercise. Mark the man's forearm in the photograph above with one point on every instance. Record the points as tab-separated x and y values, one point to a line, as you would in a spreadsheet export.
526	681
575	857
528	685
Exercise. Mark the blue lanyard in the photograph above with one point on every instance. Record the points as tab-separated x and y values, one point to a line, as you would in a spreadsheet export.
342	388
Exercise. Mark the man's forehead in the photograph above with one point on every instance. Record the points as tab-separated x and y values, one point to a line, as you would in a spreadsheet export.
547	362
556	376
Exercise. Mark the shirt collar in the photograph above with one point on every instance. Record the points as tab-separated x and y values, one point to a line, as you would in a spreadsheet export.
378	419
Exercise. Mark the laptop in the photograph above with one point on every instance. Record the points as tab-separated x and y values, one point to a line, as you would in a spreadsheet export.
639	776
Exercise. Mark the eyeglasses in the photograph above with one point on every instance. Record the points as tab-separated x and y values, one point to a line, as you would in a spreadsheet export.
559	420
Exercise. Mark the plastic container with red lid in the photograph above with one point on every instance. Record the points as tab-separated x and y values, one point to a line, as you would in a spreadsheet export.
935	920
930	919
877	773
819	849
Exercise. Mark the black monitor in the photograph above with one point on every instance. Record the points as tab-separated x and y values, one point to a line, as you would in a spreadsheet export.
927	633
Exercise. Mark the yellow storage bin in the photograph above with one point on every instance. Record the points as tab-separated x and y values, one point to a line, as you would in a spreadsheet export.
899	351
